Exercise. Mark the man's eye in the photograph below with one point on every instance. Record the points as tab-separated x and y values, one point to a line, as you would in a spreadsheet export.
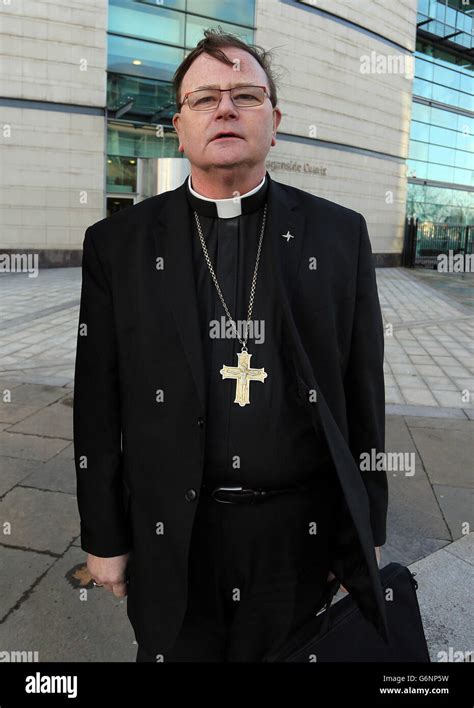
244	98
204	99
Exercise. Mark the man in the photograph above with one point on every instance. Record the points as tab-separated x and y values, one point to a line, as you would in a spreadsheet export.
219	471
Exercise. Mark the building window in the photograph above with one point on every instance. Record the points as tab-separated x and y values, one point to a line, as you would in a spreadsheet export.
146	59
195	27
241	12
151	101
440	205
121	174
155	23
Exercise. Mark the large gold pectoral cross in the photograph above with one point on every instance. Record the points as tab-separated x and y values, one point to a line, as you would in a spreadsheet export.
243	374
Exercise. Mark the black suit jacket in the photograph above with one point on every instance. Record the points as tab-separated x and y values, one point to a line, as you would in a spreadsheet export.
139	399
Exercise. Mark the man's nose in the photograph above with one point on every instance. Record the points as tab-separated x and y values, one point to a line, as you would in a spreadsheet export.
226	107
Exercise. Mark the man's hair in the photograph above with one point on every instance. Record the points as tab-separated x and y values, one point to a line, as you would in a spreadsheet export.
213	43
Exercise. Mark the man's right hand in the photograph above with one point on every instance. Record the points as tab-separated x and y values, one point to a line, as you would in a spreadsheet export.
109	572
331	576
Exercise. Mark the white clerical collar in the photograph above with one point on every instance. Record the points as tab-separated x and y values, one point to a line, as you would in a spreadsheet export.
227	208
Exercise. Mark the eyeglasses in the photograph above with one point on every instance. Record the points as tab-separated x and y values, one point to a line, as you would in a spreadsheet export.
241	96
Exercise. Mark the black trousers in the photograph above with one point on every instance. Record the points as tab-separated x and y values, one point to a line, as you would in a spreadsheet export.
257	573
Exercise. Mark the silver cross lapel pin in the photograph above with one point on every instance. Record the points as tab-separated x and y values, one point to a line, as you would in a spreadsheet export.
288	236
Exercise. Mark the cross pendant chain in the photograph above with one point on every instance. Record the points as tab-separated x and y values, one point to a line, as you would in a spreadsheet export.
242	373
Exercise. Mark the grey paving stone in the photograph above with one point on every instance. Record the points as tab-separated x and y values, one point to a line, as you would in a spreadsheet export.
463	548
45	377
442	423
14	470
54	421
40	521
409	381
37	394
456	371
426	411
466	384
429	370
418	396
404	369
7	383
419	360
447	398
24	569
393	396
445	584
30	447
406	549
57	474
398	439
397	433
457	504
68	452
65	621
415	523
12	413
414	511
447	454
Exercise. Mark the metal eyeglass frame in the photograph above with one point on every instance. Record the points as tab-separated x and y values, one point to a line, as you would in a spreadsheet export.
202	110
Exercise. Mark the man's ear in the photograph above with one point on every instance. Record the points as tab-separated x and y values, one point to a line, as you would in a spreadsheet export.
176	121
277	115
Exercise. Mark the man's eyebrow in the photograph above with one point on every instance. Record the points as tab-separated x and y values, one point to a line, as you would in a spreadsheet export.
215	86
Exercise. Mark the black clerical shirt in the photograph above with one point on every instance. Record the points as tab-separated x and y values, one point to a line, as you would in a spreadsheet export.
271	441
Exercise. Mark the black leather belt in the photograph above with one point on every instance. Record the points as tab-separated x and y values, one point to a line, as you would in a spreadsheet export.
237	494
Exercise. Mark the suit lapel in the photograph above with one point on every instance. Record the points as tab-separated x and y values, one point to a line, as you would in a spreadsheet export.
284	218
172	236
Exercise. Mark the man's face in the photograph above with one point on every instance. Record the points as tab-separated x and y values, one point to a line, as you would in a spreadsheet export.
256	126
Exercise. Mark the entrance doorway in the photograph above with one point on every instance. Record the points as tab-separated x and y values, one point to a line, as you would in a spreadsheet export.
116	202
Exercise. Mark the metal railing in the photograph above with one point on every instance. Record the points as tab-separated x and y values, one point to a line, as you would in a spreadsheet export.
425	241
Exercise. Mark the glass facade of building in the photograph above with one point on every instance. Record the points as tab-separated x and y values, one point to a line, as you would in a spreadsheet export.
147	40
440	164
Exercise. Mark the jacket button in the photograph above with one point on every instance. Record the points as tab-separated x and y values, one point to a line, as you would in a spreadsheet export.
201	422
190	495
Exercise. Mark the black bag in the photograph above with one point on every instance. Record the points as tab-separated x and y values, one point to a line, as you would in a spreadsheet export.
341	633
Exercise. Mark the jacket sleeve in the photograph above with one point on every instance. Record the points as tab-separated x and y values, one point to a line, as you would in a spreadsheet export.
96	416
365	389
